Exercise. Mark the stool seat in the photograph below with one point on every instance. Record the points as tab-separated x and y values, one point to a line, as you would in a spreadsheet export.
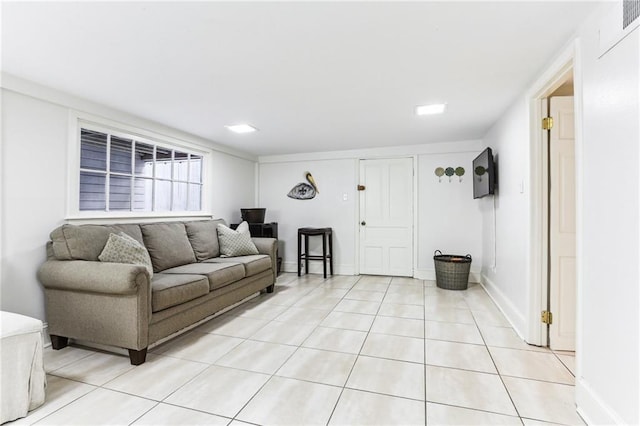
22	371
314	231
327	237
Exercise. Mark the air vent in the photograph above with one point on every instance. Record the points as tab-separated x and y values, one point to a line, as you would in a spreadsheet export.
619	18
630	12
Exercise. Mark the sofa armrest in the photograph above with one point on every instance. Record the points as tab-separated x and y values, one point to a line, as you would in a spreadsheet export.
268	246
94	277
106	303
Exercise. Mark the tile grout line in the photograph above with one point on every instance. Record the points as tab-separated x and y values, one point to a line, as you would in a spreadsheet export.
272	375
357	355
209	366
424	327
563	363
313	329
101	386
235	417
67	404
478	409
496	367
96	387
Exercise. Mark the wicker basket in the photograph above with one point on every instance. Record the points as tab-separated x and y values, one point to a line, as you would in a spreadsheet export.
452	271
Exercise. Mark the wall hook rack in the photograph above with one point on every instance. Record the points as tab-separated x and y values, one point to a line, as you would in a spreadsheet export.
449	172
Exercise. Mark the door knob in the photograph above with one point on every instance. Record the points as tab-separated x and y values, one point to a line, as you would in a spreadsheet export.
363	223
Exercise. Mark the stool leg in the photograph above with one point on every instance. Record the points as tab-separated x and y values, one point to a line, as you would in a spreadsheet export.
299	252
306	254
331	252
324	255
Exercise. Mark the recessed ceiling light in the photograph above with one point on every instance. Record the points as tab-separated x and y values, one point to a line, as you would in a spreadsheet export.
430	109
241	128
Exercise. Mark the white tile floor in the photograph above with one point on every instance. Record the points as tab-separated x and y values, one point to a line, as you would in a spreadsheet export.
342	351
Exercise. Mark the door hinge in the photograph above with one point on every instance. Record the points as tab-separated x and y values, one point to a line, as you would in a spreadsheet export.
361	187
547	123
546	317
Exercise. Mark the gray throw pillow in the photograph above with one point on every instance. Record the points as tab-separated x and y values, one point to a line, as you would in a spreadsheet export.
235	243
121	248
168	245
203	236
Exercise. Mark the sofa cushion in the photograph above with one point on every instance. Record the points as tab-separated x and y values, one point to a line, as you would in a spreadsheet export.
131	229
253	264
169	290
203	237
168	245
121	248
235	242
219	274
84	242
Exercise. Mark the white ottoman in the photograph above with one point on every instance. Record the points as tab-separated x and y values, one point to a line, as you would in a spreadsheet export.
21	369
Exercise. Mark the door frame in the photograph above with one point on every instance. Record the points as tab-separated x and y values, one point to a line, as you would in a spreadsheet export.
567	62
414	164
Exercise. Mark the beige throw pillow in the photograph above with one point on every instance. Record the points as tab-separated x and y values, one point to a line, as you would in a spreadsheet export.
121	248
235	243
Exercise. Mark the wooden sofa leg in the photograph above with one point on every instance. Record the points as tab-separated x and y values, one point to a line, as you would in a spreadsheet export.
271	288
137	357
59	342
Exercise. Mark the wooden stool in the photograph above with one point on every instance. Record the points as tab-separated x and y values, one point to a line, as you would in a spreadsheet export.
327	235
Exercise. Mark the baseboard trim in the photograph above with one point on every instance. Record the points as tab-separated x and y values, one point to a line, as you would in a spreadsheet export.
515	318
430	275
316	268
46	339
420	274
592	409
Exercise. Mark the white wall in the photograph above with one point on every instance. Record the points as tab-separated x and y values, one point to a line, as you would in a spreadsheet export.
448	218
34	138
35	123
233	183
608	388
608	353
506	216
328	209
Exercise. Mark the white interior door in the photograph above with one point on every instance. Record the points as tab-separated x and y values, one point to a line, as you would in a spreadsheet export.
562	226
386	217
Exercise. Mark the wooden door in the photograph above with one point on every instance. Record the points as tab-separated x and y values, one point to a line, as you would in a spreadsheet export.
562	225
386	217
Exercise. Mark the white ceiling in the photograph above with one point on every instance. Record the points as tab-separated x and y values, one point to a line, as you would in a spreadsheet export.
312	76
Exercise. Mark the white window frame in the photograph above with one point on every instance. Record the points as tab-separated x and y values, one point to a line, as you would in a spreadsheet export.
79	120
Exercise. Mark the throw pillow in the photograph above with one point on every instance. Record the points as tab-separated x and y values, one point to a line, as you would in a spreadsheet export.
235	243
203	236
121	248
168	245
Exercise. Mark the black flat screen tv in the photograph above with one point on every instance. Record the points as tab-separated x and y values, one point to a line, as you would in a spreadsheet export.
484	174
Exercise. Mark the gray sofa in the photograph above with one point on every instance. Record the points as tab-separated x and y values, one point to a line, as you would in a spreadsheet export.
117	304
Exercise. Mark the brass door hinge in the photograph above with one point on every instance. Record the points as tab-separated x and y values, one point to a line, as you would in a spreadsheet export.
546	317
361	187
547	123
